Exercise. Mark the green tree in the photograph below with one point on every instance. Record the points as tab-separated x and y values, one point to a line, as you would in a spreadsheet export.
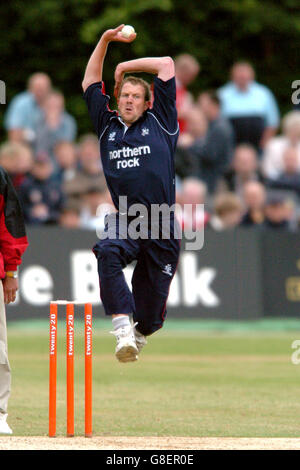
58	38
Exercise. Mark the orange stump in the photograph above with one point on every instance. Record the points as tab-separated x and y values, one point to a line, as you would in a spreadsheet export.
88	369
70	366
70	369
52	369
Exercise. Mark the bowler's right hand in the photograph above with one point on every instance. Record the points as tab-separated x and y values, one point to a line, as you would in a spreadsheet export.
116	35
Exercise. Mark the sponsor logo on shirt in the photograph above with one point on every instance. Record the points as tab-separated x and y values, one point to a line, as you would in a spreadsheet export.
126	153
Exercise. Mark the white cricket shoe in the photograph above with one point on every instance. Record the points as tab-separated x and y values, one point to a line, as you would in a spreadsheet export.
126	349
4	428
139	339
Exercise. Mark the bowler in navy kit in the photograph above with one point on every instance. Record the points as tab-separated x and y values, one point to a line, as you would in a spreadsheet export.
137	146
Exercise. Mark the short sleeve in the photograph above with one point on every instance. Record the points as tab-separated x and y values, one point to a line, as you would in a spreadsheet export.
272	112
15	117
97	103
164	105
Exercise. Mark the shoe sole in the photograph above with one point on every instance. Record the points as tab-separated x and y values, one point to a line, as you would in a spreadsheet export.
127	354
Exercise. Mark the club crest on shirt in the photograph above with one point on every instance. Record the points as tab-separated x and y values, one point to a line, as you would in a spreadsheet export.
167	270
145	131
112	136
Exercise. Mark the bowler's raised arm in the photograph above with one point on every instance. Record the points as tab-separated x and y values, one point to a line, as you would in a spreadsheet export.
94	68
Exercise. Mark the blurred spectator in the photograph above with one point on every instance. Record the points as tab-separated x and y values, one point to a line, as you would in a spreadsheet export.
66	161
291	213
289	179
254	197
186	160
96	203
196	128
186	70
228	211
278	212
244	168
214	152
193	193
16	158
70	215
26	107
273	156
250	106
90	173
40	196
186	164
89	151
53	125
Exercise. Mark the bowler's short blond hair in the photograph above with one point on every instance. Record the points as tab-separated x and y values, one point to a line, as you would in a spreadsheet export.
137	81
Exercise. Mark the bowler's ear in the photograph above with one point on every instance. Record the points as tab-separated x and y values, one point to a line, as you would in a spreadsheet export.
147	105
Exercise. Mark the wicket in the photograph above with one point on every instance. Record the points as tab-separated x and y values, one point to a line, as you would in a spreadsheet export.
70	366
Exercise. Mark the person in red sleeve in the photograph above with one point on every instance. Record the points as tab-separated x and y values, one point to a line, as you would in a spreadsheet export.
13	243
186	70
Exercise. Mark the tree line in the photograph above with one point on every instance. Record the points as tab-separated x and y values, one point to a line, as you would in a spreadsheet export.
57	37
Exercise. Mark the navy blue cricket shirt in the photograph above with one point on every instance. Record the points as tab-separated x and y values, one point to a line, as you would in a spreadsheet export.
138	162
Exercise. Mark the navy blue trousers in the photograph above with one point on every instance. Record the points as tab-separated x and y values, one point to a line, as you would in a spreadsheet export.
156	263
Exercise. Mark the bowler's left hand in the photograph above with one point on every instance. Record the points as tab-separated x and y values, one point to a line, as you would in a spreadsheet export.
10	287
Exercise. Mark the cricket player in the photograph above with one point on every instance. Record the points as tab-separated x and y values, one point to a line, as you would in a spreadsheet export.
13	243
137	146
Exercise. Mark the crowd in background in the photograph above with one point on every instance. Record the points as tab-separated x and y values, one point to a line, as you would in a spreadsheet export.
235	154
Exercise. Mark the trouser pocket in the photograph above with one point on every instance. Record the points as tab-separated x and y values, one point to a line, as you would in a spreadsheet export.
5	378
3	354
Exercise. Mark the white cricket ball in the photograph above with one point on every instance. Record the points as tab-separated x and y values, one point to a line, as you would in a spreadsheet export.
127	30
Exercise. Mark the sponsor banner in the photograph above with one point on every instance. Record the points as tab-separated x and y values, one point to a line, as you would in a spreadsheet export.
281	274
222	280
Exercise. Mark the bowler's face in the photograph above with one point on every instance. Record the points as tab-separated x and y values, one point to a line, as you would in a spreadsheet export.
132	102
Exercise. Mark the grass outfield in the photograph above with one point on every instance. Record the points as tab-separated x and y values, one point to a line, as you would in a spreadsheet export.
193	379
